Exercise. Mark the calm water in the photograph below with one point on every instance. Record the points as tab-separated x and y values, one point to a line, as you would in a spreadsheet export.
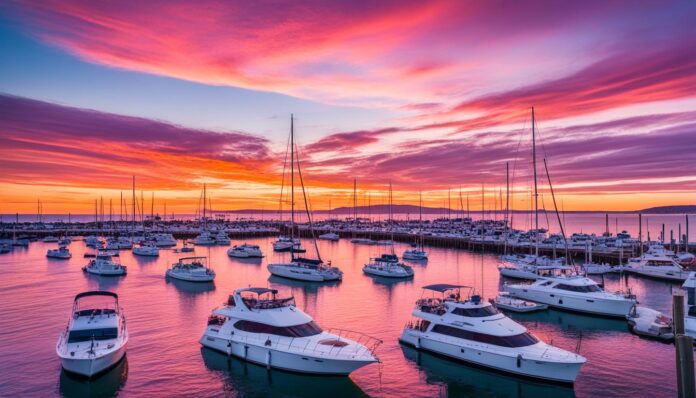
166	319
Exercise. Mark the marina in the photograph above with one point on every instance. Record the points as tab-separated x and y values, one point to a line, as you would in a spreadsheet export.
349	304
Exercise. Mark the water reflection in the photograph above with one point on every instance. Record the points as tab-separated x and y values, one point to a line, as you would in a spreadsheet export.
190	288
98	282
461	380
571	321
247	260
106	385
247	379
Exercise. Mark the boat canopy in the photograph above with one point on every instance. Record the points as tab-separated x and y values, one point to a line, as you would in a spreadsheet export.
96	293
258	290
308	261
443	287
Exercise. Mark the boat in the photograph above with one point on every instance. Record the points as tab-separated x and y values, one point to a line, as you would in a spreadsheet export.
245	251
146	250
93	242
104	265
96	337
286	244
471	330
388	266
50	239
186	248
657	265
332	236
163	240
259	327
417	252
62	253
124	243
221	238
573	292
505	302
690	308
64	241
205	238
191	269
5	248
300	268
524	266
651	323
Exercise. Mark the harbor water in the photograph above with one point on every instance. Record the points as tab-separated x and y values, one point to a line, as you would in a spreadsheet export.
166	319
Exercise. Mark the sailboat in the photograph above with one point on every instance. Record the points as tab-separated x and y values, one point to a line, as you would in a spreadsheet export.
524	266
417	253
300	268
205	238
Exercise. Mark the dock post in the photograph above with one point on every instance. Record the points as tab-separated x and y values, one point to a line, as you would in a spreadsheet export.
686	241
686	387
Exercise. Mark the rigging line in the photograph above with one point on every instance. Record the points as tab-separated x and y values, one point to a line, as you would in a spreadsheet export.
307	207
282	181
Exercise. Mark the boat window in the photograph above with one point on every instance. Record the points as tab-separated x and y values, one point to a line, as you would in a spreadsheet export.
476	312
304	330
579	289
520	340
77	336
546	283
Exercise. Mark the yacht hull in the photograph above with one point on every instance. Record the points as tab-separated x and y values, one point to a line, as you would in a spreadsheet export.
188	278
518	274
553	371
298	273
93	366
590	305
387	274
676	276
275	359
104	272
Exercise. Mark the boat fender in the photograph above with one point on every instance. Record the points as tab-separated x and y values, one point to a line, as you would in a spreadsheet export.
418	344
267	343
268	360
519	360
560	301
246	351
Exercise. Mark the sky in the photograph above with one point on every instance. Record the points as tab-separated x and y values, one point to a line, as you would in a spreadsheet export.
430	97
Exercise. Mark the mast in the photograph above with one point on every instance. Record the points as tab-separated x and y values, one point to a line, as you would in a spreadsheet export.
133	223
507	203
355	200
292	187
536	193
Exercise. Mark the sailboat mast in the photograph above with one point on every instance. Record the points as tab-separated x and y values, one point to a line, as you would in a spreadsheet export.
536	193
355	199
292	186
133	223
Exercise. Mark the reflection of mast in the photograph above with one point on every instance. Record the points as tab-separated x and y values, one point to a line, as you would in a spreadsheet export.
536	193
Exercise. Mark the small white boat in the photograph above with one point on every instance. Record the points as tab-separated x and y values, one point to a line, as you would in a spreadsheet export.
163	240
286	244
332	236
60	253
256	326
598	269
146	250
685	258
205	238
186	248
504	301
64	242
94	242
306	269
245	251
96	336
104	265
415	254
651	323
388	266
221	238
191	269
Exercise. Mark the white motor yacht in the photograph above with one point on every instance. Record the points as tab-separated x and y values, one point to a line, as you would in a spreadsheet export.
205	238
146	250
388	266
164	240
93	242
257	326
573	292
286	244
124	243
332	236
306	269
473	331
221	238
657	265
245	251
505	302
191	269
61	253
96	336
690	315
103	265
524	266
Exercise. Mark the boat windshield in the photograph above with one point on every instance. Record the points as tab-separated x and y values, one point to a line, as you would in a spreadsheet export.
303	330
475	312
77	336
519	340
579	289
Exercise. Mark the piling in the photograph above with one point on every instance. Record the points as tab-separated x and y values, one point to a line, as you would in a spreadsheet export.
686	387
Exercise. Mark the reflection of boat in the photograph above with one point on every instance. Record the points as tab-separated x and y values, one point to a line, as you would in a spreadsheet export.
96	336
307	287
473	331
191	288
572	320
478	382
251	380
107	385
259	327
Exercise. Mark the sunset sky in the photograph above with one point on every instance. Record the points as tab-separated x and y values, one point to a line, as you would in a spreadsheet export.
432	96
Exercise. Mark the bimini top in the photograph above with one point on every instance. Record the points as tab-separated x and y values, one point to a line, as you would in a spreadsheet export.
443	287
96	293
258	290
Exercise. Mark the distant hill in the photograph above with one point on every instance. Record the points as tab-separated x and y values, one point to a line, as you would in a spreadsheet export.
685	209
